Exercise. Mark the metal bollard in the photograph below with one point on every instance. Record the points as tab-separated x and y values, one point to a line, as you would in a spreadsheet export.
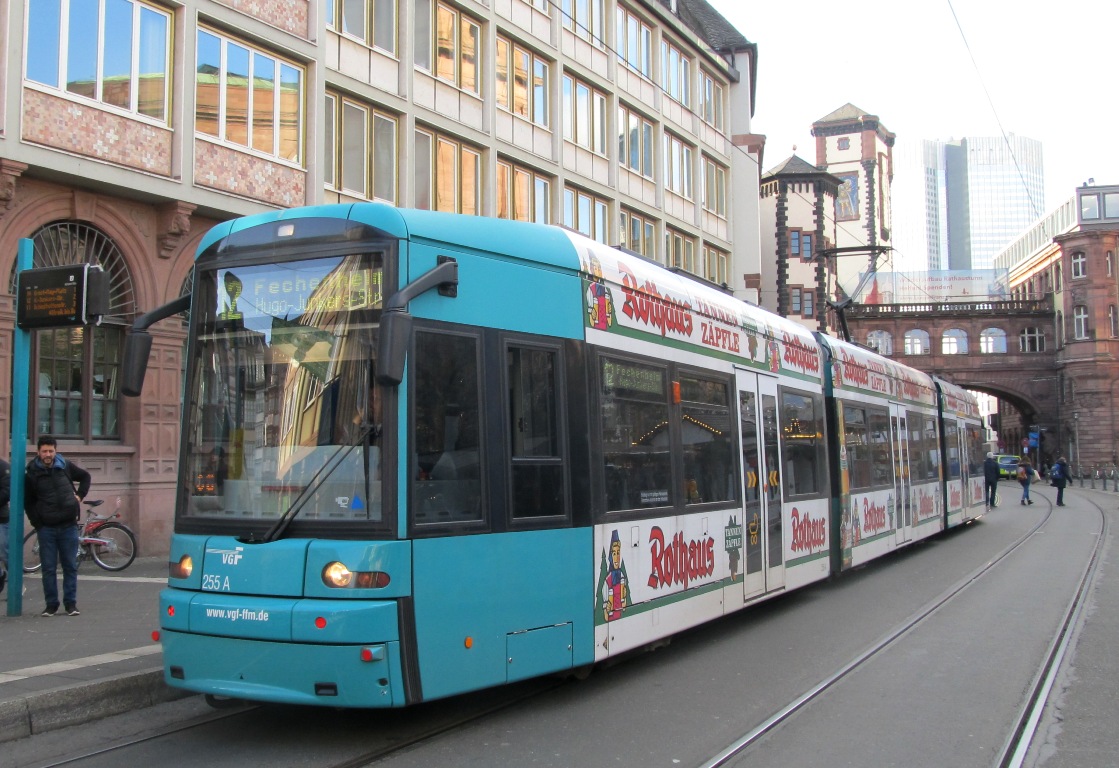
1080	474
1115	478
1092	480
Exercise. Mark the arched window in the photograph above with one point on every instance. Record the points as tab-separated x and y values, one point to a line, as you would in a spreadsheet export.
882	341
1057	277
953	342
75	372
916	342
992	341
1113	320
1031	340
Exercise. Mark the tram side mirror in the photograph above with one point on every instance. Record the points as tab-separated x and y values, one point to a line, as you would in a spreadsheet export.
137	350
396	336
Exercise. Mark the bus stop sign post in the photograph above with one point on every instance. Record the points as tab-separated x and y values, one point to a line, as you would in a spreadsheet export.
50	297
21	382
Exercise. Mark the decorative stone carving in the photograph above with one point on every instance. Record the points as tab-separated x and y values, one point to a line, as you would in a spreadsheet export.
174	225
10	170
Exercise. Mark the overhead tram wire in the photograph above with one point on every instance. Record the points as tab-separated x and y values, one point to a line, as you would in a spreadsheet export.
995	112
606	46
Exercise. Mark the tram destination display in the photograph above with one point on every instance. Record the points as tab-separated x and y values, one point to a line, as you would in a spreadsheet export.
61	297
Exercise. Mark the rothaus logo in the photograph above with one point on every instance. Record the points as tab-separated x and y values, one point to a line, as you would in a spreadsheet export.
228	556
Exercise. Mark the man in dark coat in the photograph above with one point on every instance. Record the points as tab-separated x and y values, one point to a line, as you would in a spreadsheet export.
5	495
1058	475
54	509
991	479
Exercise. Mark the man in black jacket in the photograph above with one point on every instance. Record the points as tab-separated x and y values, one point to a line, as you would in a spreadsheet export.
5	495
991	479
53	507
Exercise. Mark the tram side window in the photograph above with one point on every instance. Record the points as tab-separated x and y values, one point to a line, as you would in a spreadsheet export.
706	432
802	443
635	435
535	447
952	448
867	440
446	460
974	450
924	454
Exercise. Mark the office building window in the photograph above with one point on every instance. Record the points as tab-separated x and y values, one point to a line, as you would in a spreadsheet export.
360	149
584	115
717	261
713	98
119	53
678	170
714	187
635	142
679	249
676	73
373	22
523	82
448	174
249	98
638	233
586	213
586	18
447	44
634	42
523	194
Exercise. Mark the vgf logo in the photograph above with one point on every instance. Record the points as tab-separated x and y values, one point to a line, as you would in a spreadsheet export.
228	556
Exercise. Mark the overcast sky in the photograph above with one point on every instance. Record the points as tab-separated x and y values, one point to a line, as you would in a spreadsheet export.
1051	70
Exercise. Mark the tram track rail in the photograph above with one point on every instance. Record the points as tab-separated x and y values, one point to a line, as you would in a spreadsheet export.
1013	752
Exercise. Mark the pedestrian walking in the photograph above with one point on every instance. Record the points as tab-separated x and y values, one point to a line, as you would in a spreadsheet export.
1058	475
5	507
1026	476
991	479
54	507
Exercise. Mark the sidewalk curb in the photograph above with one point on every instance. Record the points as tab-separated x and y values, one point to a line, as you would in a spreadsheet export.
84	703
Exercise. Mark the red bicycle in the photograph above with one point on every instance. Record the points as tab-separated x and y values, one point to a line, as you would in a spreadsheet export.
110	544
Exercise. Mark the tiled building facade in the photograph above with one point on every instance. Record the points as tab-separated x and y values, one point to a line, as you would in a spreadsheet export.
129	127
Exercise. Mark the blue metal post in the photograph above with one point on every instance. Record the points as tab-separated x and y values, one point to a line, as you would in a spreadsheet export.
21	383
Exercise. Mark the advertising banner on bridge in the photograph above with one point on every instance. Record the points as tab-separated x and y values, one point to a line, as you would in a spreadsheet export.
937	286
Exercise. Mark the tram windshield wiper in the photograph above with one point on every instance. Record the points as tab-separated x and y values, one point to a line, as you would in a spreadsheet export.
335	460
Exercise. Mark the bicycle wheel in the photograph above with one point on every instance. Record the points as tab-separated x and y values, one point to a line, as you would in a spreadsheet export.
113	546
31	561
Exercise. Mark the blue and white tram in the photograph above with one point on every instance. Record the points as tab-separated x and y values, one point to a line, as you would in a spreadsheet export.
424	454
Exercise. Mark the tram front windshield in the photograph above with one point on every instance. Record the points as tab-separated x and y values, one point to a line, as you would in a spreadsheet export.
283	413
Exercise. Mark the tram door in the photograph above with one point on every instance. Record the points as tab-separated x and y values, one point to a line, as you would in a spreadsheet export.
762	534
899	440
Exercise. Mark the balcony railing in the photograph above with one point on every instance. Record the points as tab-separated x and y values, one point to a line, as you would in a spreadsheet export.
1038	306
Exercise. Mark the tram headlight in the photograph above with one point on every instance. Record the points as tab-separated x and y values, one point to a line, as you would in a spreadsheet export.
337	574
181	569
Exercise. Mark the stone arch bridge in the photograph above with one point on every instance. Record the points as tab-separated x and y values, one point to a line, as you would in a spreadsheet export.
1007	349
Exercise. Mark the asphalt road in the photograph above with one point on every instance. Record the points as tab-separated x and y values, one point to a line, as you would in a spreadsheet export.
944	694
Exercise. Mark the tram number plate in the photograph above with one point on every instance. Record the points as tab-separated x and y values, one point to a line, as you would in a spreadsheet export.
212	582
